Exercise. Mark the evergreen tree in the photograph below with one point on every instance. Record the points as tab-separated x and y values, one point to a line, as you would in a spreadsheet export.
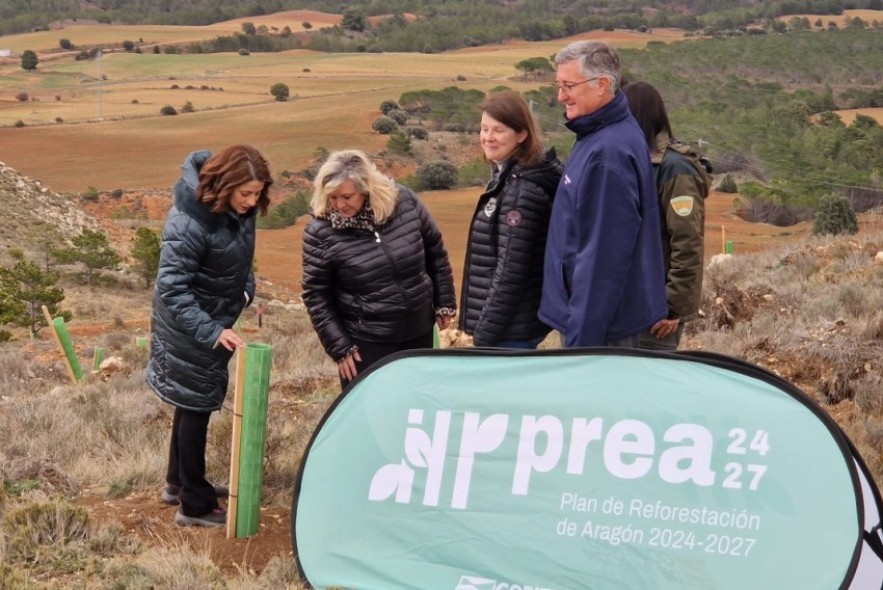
835	216
29	60
24	290
92	249
280	90
145	251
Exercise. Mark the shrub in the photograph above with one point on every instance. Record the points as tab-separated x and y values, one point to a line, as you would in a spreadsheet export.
384	125
835	215
280	91
286	213
22	97
156	49
117	193
244	51
188	107
19	123
728	185
168	110
399	143
59	120
128	45
418	133
388	105
65	43
29	60
90	194
398	115
437	175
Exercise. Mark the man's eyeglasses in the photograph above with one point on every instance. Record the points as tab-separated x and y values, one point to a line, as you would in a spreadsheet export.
567	87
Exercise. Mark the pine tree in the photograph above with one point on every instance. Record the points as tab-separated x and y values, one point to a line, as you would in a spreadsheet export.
24	289
835	216
92	249
29	60
145	251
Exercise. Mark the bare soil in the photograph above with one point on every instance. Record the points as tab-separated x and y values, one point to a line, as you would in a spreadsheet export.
144	516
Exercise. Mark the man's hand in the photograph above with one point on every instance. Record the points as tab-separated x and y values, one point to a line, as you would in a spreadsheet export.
663	328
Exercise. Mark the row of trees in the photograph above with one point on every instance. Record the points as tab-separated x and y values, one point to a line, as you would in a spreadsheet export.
25	286
440	25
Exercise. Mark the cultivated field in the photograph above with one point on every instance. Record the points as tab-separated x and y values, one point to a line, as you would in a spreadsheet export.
868	16
112	135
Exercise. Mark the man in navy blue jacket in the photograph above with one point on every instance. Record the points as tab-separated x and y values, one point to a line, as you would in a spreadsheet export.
604	275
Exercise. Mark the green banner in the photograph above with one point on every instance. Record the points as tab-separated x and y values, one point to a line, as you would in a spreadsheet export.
601	469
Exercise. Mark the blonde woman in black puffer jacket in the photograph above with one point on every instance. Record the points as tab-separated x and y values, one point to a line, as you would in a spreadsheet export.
376	275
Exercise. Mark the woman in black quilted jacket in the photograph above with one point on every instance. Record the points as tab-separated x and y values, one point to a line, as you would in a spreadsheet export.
503	271
376	275
204	282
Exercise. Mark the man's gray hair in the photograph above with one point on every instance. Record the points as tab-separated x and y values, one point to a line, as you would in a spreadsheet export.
595	59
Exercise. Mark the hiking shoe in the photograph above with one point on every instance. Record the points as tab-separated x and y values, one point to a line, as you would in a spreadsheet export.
215	518
170	494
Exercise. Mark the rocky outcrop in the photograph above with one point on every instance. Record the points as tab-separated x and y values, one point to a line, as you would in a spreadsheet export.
32	210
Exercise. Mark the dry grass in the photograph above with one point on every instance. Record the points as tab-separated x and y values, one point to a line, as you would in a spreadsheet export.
808	311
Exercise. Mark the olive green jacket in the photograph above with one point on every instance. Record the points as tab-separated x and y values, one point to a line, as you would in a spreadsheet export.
683	184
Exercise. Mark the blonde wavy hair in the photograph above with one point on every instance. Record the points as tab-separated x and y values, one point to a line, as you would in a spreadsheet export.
354	165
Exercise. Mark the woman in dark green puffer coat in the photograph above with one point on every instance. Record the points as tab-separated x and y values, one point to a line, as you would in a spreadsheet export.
205	280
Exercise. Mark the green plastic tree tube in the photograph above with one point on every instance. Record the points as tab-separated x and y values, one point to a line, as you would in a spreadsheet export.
254	434
68	347
97	358
436	337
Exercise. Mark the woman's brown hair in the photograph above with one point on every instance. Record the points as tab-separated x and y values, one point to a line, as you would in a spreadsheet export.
231	167
509	108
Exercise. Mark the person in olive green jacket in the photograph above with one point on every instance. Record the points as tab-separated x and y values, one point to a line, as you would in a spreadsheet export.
682	182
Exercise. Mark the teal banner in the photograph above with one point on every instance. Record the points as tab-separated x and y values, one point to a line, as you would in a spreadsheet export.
603	469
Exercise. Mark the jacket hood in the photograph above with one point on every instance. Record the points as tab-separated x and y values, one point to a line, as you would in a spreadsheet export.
546	173
615	110
192	165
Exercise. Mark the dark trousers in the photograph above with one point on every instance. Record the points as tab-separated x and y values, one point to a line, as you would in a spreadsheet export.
650	342
371	352
187	462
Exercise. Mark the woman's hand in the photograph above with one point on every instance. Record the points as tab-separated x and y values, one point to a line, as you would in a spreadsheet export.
230	340
347	365
443	321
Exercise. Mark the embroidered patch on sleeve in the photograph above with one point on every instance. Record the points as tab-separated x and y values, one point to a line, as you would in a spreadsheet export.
683	205
513	217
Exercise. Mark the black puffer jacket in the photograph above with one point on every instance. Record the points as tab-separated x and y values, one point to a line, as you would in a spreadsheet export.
205	279
378	286
503	272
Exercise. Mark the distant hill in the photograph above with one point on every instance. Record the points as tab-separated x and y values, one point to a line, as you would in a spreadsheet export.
470	22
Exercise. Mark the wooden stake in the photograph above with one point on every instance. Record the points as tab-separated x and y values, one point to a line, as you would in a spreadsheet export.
238	391
723	239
